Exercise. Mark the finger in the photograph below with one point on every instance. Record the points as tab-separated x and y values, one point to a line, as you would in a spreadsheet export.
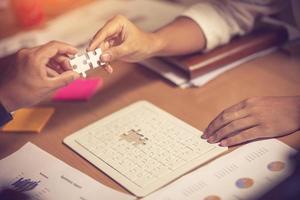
218	119
55	66
109	69
223	119
233	128
104	46
64	79
55	47
51	72
64	62
111	28
51	49
236	107
244	136
114	53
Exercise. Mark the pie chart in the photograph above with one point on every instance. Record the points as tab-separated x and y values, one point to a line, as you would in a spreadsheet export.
276	166
244	183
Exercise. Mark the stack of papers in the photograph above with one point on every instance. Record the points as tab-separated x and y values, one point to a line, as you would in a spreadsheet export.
246	173
174	75
38	175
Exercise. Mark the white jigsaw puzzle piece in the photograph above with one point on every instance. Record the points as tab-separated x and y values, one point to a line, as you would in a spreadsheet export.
90	60
79	64
94	58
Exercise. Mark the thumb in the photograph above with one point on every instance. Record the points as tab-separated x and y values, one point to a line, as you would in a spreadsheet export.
64	79
114	53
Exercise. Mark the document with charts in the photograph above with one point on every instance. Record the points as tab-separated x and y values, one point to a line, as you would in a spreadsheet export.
31	173
142	147
246	173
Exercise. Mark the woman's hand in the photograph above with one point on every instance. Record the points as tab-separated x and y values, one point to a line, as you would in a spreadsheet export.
120	39
261	117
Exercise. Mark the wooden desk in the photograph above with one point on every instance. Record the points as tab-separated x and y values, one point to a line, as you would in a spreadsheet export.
275	74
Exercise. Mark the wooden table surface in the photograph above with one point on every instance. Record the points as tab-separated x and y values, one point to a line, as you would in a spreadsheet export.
273	75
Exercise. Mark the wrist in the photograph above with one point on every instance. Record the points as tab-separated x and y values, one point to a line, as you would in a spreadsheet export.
157	44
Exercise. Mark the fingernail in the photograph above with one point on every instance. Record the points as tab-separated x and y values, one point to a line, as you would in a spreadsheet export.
205	135
106	57
109	69
223	143
210	139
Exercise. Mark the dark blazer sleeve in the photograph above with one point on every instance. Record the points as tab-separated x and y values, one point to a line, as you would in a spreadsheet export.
5	116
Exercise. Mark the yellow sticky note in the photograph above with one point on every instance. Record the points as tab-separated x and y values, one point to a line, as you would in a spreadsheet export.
29	120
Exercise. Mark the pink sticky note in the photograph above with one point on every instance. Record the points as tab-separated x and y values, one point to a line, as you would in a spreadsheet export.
79	90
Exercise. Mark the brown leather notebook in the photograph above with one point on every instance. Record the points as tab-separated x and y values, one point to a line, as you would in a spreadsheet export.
259	39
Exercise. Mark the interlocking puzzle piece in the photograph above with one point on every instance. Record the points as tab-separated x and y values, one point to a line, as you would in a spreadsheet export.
94	57
29	120
79	64
133	136
78	90
90	60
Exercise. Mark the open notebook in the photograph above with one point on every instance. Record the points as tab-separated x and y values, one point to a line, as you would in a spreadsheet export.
142	147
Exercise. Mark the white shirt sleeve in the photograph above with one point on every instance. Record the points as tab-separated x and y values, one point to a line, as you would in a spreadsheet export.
220	20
